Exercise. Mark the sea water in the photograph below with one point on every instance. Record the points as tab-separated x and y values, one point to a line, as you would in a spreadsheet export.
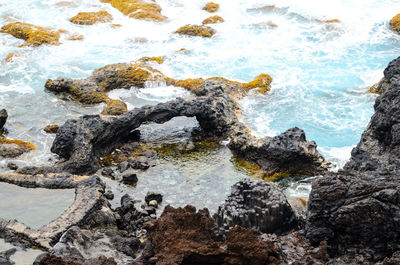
321	71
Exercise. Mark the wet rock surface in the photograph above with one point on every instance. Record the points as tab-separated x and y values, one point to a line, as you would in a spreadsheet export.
54	260
5	257
258	205
3	118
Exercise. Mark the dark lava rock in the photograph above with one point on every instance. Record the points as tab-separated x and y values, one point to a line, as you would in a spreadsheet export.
258	205
109	195
3	118
394	260
75	260
5	256
356	213
379	146
129	178
12	166
150	196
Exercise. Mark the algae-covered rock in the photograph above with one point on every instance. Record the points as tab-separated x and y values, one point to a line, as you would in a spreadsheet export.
13	148
262	83
158	59
76	37
11	57
380	87
395	23
211	7
195	30
90	18
213	20
114	107
51	128
138	9
33	35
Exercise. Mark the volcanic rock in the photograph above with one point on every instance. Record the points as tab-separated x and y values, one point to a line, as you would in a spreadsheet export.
3	118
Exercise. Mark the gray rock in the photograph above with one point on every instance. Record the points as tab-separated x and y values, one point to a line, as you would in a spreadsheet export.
129	178
5	256
150	196
259	205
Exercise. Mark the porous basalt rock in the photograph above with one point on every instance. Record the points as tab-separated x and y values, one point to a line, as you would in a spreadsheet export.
258	205
90	18
395	23
138	9
196	30
211	7
3	118
33	35
82	142
378	147
356	213
213	20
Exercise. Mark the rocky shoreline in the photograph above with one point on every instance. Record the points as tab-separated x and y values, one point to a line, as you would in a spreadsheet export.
352	216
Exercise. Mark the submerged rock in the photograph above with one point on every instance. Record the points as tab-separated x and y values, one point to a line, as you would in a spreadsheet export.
258	205
213	20
33	35
90	18
138	9
395	23
195	30
211	7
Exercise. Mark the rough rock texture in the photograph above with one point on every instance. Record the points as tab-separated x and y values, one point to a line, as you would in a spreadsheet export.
33	35
357	211
54	260
138	9
258	205
13	148
211	7
380	87
213	20
195	30
92	244
379	147
90	18
82	142
3	118
51	128
5	256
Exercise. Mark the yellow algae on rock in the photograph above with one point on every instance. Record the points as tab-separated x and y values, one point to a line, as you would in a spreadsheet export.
138	9
191	85
114	107
66	4
211	7
76	37
262	83
11	57
195	30
116	25
395	23
158	59
51	128
90	18
13	148
33	35
213	20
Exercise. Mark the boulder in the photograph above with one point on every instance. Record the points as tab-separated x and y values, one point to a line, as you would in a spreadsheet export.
3	118
138	9
213	20
33	35
195	30
258	205
90	18
51	128
5	256
211	7
395	23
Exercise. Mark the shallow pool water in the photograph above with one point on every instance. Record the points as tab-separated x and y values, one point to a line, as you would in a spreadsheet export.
33	207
